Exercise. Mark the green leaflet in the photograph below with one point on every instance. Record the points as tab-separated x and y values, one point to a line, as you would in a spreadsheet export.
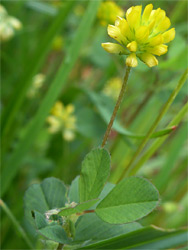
77	208
51	193
130	200
94	173
51	231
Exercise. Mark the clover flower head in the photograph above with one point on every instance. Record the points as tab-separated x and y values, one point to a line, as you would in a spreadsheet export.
62	119
8	25
37	83
113	87
108	11
142	35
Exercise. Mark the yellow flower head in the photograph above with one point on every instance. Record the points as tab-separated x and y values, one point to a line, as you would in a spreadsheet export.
108	12
113	87
62	119
142	34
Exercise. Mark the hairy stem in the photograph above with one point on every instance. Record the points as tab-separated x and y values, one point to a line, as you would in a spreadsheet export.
123	88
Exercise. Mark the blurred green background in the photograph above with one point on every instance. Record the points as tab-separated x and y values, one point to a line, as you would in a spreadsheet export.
33	76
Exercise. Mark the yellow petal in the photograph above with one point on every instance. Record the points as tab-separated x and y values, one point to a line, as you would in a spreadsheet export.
122	24
114	48
133	16
160	15
131	60
158	50
149	59
169	35
164	25
142	33
146	13
132	46
151	25
156	40
114	32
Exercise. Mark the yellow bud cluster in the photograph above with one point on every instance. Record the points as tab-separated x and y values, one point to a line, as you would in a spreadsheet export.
62	119
108	11
142	35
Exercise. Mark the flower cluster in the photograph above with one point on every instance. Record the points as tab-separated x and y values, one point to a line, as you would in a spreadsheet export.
143	35
108	11
113	87
62	119
8	25
37	83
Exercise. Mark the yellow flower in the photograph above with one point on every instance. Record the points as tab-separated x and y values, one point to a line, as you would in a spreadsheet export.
62	119
142	35
113	87
108	11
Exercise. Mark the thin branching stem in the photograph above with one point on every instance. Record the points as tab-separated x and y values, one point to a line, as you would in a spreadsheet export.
123	88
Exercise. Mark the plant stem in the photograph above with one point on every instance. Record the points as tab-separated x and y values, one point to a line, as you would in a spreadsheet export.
123	88
129	169
16	224
60	246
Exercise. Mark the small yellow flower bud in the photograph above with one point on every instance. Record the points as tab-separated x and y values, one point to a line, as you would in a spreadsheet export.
114	48
164	25
132	46
131	60
158	50
169	35
146	13
148	59
115	33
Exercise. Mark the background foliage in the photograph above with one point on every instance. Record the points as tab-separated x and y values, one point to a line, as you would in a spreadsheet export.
62	42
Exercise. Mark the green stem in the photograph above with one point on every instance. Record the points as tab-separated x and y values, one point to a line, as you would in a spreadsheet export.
123	88
129	169
16	224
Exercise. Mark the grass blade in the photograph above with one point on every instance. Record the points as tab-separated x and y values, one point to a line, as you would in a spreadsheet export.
153	148
129	170
82	33
144	238
16	224
34	65
171	160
